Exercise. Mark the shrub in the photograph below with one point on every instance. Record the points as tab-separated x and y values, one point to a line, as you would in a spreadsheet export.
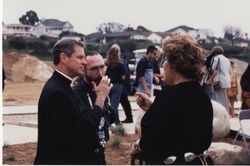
116	142
40	53
18	43
118	130
37	44
10	157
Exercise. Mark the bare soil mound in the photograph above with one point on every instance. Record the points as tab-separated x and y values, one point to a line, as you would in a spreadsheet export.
240	66
25	68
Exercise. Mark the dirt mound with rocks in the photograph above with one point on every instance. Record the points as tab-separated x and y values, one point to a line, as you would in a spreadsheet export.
25	68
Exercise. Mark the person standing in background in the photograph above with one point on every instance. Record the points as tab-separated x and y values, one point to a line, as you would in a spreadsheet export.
210	74
144	72
116	72
156	67
232	92
245	86
222	80
126	91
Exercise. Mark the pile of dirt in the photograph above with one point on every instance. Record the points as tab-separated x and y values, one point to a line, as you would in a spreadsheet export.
240	66
25	68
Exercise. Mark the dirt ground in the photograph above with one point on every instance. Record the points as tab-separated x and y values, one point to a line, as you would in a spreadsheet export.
24	154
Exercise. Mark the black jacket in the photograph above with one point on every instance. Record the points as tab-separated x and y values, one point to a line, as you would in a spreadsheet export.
82	90
66	135
245	79
179	121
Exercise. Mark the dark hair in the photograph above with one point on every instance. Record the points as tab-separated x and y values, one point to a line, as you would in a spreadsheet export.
151	49
185	55
64	46
92	53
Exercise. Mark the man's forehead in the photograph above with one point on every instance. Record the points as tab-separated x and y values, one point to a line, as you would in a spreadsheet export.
94	60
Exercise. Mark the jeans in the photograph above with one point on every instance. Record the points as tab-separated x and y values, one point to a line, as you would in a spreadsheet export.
115	95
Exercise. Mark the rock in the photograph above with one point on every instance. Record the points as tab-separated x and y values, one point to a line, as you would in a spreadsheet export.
221	123
228	154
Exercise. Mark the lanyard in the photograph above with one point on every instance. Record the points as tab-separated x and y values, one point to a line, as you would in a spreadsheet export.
100	129
90	101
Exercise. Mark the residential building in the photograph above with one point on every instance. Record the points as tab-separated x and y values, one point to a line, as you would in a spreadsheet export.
241	42
122	36
110	37
155	38
17	30
52	27
96	37
158	37
195	33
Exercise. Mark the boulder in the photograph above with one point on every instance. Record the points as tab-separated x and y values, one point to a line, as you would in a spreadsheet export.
228	154
221	123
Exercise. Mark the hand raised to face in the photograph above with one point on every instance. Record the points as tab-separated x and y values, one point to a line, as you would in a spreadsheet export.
102	90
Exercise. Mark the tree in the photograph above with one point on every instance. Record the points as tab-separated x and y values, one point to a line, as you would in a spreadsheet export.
246	35
129	29
232	33
30	18
143	30
110	27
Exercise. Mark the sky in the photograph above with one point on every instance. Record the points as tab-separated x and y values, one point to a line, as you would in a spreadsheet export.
155	15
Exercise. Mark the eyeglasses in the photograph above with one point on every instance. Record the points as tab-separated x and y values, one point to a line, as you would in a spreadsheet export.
97	68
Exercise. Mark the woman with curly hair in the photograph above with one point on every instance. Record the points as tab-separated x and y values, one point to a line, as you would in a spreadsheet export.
179	121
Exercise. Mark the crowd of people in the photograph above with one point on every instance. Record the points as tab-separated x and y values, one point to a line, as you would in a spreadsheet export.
80	101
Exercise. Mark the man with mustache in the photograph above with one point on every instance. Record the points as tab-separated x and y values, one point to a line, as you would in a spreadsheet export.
85	90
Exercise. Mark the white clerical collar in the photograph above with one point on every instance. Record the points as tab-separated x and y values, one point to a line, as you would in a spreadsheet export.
64	75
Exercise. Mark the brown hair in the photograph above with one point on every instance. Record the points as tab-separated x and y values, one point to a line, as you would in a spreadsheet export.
185	55
114	56
216	50
64	46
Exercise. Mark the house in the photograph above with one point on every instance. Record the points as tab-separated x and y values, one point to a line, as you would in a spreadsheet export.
241	42
17	30
96	37
78	38
209	40
183	30
123	36
72	35
155	38
52	27
111	37
159	37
